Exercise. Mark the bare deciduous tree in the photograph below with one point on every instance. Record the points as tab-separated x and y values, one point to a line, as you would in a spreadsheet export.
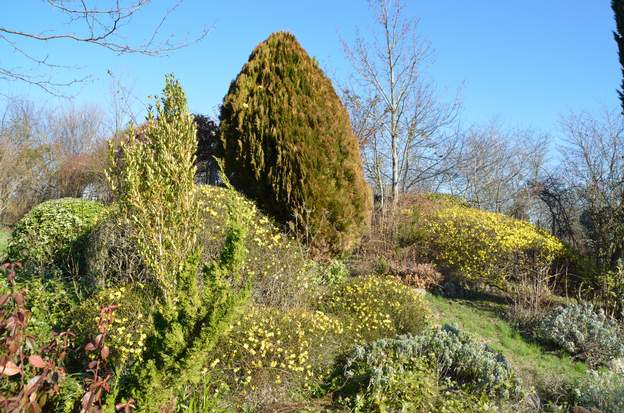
49	153
23	156
396	113
98	23
593	165
495	168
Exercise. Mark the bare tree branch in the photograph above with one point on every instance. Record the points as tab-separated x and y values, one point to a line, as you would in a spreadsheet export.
401	124
96	23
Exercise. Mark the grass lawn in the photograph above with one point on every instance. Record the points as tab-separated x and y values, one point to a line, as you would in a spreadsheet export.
4	239
483	320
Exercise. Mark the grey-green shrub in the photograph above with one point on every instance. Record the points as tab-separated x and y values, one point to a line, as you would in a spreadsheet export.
413	388
53	232
601	390
583	332
456	356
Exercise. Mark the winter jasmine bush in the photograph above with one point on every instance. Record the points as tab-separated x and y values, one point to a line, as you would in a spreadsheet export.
480	245
129	329
283	275
376	307
270	355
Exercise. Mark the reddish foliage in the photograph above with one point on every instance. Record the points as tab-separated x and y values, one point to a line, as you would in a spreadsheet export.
36	376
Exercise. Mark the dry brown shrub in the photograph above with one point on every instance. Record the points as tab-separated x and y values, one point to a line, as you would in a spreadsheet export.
421	275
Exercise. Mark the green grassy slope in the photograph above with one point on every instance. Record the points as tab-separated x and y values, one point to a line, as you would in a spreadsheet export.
534	364
4	239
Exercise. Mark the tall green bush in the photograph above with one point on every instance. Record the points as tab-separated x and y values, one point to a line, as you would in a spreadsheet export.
154	180
287	143
153	176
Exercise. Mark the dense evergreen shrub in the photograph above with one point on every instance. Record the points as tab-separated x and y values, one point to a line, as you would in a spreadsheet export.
54	232
288	144
479	245
111	257
207	149
376	307
583	332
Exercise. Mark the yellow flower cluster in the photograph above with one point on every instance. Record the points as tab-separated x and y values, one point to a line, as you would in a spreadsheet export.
276	261
378	307
128	332
483	244
271	346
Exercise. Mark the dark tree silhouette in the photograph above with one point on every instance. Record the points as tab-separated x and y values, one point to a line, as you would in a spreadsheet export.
618	10
207	147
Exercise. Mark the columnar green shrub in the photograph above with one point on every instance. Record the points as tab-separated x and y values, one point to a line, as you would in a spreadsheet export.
583	332
288	144
53	232
153	177
480	245
376	307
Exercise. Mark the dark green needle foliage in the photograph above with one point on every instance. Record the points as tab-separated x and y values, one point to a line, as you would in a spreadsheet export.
288	144
618	10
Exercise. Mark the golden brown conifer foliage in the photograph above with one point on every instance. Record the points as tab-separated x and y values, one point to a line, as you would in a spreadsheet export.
288	144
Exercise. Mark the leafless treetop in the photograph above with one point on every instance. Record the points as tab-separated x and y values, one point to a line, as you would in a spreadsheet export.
99	23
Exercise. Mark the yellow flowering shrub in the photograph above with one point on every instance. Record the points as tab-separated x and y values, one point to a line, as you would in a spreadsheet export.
283	276
131	324
270	351
480	245
376	307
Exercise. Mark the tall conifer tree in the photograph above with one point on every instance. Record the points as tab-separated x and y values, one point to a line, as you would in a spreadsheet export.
288	144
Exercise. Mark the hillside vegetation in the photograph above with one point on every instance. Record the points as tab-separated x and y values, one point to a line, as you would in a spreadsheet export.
272	292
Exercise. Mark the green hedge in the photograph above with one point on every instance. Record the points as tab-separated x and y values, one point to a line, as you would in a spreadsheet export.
53	232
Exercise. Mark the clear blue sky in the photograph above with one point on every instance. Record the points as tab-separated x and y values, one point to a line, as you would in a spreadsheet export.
525	62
